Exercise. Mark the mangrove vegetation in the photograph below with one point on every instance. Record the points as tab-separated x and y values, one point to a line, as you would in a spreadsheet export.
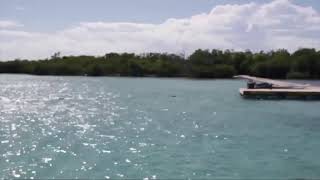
301	64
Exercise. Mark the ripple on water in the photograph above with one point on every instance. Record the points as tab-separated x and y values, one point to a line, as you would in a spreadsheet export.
70	127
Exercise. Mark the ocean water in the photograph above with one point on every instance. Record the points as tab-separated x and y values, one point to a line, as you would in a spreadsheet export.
152	128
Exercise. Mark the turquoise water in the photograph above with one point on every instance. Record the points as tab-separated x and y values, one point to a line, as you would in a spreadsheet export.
82	127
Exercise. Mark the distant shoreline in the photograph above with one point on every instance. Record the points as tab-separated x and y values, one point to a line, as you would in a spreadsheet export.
150	76
202	64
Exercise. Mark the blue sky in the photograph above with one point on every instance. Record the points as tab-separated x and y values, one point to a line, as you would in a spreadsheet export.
38	28
50	15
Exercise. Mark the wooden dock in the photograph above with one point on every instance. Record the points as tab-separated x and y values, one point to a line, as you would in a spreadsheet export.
279	89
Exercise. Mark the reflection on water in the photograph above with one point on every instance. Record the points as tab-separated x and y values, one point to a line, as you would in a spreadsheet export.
79	127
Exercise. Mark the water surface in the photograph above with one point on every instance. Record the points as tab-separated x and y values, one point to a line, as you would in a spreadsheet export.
82	127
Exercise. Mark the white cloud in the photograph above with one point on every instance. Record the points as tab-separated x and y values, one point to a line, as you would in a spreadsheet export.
278	24
9	24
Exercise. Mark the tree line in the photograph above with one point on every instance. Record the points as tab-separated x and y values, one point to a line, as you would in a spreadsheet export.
301	64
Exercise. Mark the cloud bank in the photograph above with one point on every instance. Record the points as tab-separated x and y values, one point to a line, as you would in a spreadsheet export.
9	24
278	24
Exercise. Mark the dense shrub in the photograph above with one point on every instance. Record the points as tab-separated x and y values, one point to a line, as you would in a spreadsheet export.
303	63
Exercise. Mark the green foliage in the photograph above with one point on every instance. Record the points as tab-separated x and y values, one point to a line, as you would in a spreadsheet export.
297	75
303	63
224	71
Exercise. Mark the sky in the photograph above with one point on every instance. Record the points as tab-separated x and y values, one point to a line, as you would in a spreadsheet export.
37	28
